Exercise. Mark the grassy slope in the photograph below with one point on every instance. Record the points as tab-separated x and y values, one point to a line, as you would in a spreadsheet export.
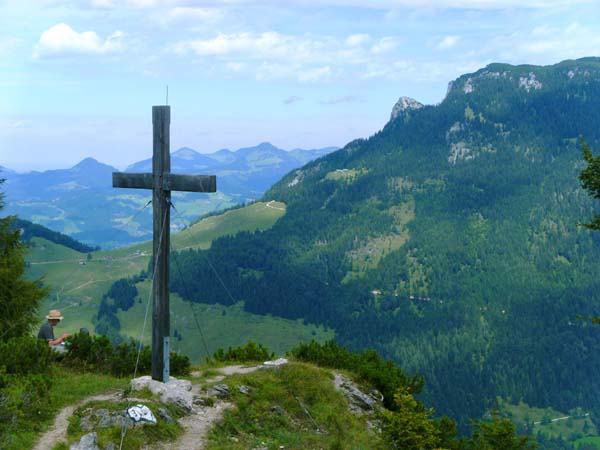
310	413
77	289
568	429
222	326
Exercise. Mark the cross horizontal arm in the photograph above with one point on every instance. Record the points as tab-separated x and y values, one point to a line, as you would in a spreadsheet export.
132	180
170	182
190	183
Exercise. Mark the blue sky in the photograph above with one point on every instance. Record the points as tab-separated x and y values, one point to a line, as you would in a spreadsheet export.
78	77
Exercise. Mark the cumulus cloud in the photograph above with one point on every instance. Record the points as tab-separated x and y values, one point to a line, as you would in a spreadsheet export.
357	39
447	42
61	39
268	45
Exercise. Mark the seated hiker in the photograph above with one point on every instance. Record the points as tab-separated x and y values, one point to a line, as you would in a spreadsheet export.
47	330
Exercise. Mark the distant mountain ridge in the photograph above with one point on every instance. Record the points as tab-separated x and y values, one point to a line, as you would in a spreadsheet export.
81	202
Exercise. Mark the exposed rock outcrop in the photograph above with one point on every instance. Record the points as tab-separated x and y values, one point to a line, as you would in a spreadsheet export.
404	104
359	402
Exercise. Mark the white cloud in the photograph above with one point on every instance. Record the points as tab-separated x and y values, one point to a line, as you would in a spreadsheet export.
357	39
268	45
223	44
61	39
447	42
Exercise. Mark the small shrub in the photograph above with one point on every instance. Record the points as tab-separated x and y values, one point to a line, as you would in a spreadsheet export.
87	352
180	364
25	381
97	354
246	353
383	375
26	355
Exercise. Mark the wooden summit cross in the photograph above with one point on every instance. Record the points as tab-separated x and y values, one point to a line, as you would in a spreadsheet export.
162	182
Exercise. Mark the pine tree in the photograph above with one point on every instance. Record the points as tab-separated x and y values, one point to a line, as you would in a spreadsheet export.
590	179
19	297
498	434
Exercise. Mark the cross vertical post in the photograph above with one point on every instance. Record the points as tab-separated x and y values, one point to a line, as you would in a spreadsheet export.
161	199
162	182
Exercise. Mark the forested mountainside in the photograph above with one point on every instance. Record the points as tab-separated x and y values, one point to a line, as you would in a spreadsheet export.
448	241
29	230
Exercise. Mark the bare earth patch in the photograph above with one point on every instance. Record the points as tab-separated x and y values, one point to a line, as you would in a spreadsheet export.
58	432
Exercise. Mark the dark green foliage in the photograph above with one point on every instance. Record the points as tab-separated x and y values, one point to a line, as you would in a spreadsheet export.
97	354
409	426
383	375
25	375
123	360
180	364
88	352
25	380
123	292
120	295
251	352
19	298
30	229
26	355
498	434
590	179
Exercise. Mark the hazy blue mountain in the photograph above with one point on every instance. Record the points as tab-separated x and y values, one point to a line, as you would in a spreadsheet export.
81	202
89	174
5	172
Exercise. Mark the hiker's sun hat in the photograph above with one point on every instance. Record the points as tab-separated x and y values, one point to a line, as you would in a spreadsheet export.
54	314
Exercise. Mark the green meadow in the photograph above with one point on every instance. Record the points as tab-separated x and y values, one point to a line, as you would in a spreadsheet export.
576	426
78	281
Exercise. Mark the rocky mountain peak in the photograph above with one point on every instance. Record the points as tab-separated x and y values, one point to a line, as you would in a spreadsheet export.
404	104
